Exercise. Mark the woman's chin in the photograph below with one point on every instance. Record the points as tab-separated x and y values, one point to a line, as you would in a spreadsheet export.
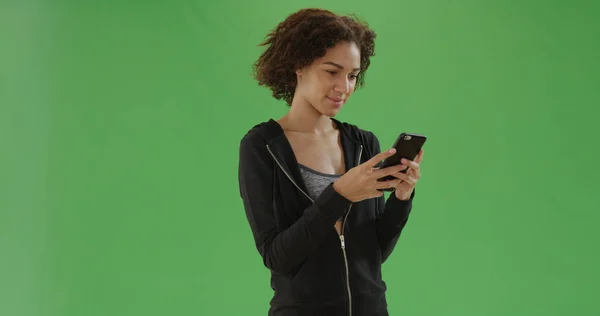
330	109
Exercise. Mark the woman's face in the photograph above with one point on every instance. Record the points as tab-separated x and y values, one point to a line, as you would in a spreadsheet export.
329	81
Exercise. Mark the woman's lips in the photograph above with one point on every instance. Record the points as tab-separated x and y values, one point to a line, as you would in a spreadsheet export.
337	102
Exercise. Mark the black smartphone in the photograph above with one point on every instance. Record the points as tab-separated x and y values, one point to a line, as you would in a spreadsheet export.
407	146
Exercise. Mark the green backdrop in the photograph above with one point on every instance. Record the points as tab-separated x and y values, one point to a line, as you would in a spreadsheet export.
120	123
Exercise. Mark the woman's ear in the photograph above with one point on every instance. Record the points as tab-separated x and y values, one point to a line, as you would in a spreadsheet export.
298	76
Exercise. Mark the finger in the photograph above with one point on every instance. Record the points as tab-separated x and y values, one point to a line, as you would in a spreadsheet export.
415	173
371	163
419	156
409	163
411	181
387	171
387	184
401	176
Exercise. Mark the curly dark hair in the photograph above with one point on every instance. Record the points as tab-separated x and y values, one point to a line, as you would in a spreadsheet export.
301	38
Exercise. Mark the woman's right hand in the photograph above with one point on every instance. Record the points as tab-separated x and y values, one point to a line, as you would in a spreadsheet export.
361	183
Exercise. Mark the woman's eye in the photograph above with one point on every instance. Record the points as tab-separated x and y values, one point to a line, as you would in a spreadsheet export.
333	73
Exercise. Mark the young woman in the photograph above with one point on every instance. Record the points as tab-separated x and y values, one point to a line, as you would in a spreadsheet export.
309	182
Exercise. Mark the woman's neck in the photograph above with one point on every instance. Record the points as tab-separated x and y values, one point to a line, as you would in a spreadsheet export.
304	118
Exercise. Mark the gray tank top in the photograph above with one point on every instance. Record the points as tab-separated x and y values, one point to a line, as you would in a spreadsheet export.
316	181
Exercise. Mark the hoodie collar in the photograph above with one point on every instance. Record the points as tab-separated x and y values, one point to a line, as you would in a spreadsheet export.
281	148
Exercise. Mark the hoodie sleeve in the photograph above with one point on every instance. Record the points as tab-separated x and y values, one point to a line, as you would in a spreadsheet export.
283	250
392	215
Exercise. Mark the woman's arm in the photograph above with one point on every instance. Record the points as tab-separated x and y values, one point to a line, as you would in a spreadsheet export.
282	250
392	215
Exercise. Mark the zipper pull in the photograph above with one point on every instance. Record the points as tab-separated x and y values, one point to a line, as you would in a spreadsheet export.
343	242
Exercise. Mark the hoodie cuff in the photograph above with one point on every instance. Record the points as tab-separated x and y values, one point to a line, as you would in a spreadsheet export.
398	208
332	204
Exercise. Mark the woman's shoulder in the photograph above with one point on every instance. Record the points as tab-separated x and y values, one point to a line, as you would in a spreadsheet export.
259	136
262	131
356	132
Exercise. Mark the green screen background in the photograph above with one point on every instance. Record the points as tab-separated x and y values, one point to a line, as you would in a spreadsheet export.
120	123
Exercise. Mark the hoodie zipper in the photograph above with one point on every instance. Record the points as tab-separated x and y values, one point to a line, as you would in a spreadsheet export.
289	177
342	240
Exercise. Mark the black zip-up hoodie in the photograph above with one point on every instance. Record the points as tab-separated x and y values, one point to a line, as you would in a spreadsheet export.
314	270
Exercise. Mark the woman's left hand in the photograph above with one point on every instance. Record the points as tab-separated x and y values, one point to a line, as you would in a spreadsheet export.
407	181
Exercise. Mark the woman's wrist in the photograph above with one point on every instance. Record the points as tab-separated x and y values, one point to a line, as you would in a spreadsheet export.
403	196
